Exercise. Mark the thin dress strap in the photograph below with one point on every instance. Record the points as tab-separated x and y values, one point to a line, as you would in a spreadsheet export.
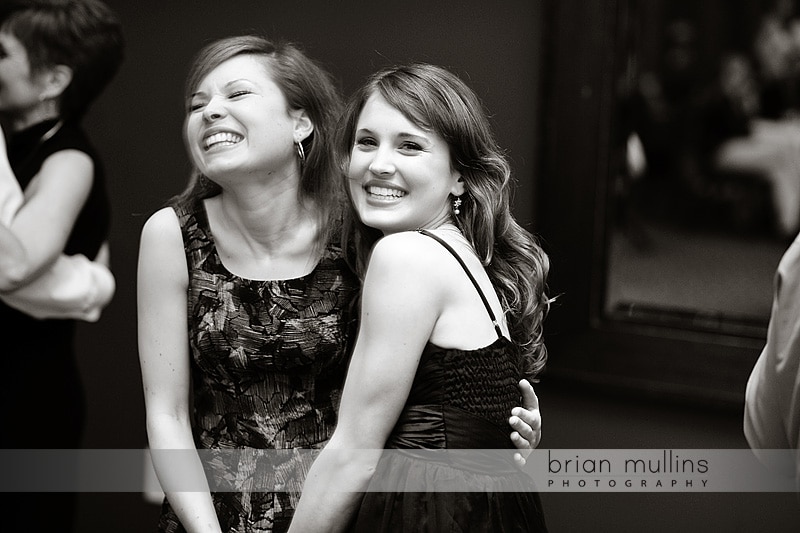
469	274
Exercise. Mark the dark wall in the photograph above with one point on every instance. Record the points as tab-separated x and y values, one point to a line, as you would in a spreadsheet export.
137	126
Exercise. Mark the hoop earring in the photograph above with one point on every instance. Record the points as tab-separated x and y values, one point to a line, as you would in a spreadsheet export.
456	205
301	153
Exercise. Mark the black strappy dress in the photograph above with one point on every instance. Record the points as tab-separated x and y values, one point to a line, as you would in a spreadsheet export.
459	400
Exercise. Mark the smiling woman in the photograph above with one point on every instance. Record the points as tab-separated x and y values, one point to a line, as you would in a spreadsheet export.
451	313
396	169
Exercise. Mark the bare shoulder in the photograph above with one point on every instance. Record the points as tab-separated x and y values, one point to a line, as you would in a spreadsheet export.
64	179
410	261
66	172
71	159
162	231
163	220
408	249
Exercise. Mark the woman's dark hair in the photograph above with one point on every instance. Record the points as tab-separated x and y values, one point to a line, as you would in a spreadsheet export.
306	86
436	100
84	35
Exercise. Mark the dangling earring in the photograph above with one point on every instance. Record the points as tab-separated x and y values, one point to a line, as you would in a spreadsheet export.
456	205
301	153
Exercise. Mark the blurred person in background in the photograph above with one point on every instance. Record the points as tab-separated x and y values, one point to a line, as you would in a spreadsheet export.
56	57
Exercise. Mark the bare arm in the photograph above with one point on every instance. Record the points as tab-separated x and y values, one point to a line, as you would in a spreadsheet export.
399	308
12	261
164	358
39	230
73	287
10	192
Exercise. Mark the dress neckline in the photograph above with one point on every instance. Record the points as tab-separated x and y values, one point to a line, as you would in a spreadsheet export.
202	220
499	342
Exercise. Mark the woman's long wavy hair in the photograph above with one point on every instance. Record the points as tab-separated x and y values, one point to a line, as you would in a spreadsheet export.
435	99
307	86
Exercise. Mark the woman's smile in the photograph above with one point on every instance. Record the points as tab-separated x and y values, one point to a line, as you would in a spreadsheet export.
383	194
221	139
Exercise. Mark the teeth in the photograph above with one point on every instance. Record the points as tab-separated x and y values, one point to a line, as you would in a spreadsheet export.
385	191
224	138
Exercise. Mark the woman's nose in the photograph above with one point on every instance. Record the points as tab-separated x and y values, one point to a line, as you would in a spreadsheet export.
382	163
214	110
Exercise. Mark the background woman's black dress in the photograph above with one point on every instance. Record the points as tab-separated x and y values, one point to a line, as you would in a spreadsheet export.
42	397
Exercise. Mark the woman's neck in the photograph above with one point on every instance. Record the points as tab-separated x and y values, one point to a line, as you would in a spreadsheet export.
36	115
265	238
272	219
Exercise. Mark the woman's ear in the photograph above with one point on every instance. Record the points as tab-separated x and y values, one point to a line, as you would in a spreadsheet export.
302	124
55	81
458	187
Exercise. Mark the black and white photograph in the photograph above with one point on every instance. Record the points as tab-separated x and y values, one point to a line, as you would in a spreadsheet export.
429	266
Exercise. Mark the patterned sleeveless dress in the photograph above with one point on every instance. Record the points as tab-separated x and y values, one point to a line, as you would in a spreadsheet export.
459	400
268	360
